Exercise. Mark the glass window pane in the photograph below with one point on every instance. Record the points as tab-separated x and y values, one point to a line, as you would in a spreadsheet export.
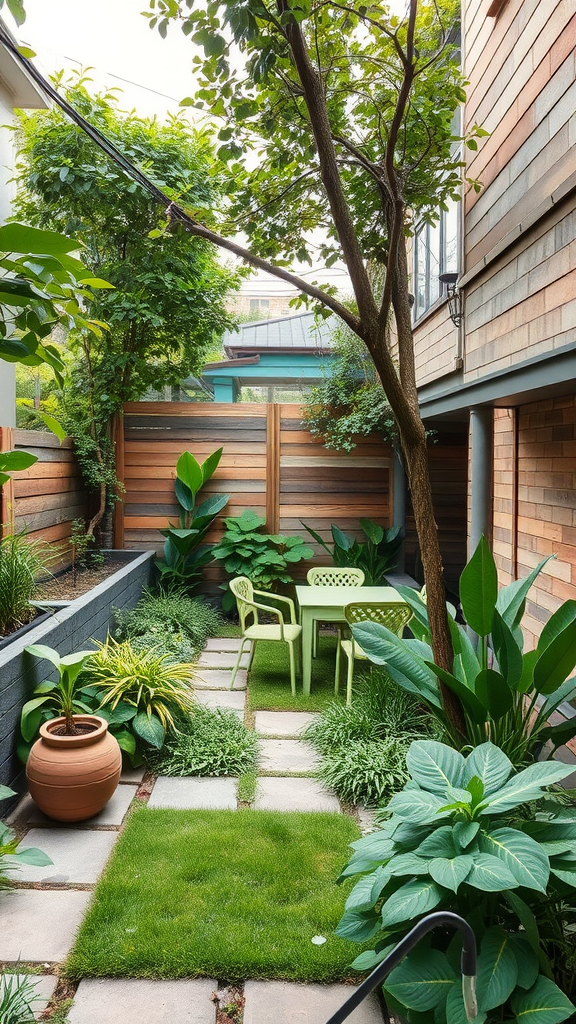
451	237
420	304
433	263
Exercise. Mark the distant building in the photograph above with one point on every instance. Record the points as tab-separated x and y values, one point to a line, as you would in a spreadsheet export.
276	359
260	297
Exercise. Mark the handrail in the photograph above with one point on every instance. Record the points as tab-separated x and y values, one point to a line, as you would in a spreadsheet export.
437	920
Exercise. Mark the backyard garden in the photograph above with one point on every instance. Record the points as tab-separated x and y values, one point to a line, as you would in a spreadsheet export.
243	753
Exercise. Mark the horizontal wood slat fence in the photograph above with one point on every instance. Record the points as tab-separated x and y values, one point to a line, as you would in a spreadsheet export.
270	464
45	498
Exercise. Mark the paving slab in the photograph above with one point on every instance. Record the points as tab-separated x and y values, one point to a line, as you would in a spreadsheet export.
194	794
366	819
132	774
112	814
293	794
43	985
231	700
226	643
77	855
135	1001
287	724
286	756
221	659
40	926
219	679
271	1002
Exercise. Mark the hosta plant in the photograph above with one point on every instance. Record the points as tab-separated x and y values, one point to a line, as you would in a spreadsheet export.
456	838
11	856
264	558
185	554
507	695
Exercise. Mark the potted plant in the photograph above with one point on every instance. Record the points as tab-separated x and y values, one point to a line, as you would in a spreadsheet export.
74	767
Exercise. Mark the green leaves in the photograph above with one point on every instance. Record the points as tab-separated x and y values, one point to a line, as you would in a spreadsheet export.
527	785
544	1003
422	981
410	901
490	764
497	969
435	766
149	728
479	589
523	857
556	661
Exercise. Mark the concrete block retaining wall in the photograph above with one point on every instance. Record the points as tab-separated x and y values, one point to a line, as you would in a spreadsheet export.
69	629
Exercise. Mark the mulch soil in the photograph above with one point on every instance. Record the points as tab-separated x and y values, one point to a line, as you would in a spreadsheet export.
68	586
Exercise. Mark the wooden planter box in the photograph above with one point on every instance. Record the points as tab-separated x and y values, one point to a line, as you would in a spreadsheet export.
68	629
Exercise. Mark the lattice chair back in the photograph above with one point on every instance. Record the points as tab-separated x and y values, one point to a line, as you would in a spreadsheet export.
243	591
335	576
392	614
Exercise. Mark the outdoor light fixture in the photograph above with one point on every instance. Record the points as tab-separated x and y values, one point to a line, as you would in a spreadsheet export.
455	305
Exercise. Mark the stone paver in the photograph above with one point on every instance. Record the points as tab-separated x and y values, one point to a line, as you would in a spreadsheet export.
112	814
135	1001
39	926
366	819
77	855
44	985
287	724
187	794
221	659
219	679
226	643
286	756
229	699
132	774
293	794
271	1002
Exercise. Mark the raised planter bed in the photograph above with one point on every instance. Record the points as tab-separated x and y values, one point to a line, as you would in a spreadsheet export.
68	629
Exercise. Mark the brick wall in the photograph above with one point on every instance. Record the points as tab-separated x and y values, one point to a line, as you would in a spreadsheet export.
536	472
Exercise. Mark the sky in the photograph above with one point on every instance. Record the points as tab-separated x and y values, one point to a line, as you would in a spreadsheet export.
112	38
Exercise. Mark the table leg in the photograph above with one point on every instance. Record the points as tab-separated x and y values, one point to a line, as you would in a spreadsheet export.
307	622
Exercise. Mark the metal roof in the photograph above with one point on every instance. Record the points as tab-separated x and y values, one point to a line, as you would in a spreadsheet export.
302	332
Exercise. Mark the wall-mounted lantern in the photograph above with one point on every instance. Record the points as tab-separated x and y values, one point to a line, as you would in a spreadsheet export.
455	298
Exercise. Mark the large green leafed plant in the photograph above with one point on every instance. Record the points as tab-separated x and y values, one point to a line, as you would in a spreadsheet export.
375	556
507	695
264	558
11	856
184	553
457	839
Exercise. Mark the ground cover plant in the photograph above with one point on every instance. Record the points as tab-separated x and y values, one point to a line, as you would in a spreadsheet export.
460	837
210	741
364	746
168	622
220	894
507	695
269	678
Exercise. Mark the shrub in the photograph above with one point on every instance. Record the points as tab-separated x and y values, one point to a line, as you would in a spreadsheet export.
22	561
140	693
364	746
167	617
212	741
457	837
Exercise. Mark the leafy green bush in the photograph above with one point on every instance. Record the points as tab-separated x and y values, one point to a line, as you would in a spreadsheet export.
264	558
376	556
140	693
168	619
22	561
456	837
212	741
507	695
364	746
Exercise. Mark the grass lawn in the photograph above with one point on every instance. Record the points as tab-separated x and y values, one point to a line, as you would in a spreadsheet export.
269	678
229	895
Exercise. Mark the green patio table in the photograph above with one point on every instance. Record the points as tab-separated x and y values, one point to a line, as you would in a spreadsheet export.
327	605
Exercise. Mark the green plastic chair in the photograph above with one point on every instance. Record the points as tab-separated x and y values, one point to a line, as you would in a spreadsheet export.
332	576
392	614
287	632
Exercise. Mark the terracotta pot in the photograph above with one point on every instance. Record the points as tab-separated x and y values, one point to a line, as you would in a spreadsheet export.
72	778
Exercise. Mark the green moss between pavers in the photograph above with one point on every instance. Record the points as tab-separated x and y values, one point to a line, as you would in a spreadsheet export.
222	894
269	678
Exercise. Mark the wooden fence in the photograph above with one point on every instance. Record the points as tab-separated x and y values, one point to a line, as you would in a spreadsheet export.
269	464
47	497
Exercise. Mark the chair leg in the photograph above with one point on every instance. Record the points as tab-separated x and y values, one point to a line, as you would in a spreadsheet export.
337	669
292	667
349	677
237	665
252	651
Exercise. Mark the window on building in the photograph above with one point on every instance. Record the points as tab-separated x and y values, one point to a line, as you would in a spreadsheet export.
259	304
435	253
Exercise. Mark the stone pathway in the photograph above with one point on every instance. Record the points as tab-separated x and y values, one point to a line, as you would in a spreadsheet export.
39	924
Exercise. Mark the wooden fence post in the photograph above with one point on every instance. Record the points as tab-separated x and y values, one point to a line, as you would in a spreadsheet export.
119	504
7	489
272	467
